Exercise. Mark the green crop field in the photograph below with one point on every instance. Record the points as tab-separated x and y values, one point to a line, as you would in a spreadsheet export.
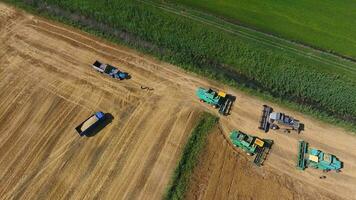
325	24
283	74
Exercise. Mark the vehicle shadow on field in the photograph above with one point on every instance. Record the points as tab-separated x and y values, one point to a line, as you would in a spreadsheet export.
232	100
301	127
108	119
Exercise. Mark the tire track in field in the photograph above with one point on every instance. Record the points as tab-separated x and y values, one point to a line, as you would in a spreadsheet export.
55	89
45	63
37	149
126	138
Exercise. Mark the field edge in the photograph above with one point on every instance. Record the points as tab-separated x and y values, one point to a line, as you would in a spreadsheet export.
190	155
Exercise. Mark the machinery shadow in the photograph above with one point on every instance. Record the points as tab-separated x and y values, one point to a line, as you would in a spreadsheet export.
342	165
108	119
128	76
301	128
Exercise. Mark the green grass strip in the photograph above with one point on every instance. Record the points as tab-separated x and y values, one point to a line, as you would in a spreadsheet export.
190	156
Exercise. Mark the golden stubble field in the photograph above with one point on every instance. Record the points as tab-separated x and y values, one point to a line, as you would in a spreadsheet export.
47	88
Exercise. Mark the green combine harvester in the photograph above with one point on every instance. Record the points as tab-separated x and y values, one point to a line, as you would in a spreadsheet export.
309	157
219	100
251	145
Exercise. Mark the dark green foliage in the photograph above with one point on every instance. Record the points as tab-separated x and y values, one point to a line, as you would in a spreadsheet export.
210	52
189	158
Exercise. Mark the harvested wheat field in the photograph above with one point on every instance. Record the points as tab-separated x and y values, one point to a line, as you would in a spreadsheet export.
47	88
226	174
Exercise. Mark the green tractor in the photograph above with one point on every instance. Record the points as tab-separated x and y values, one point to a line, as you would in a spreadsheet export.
309	157
219	100
251	145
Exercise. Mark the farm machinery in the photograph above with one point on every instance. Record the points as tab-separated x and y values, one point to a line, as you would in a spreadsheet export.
251	145
93	124
110	70
315	158
276	120
219	100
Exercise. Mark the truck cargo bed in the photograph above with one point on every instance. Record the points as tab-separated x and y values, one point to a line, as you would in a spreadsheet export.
90	123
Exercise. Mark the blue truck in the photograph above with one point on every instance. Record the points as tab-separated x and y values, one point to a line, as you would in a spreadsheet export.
110	70
89	125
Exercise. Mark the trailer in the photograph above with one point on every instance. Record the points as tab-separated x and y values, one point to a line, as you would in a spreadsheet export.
90	123
110	70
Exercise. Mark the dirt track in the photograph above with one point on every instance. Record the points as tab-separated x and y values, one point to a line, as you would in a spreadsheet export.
47	87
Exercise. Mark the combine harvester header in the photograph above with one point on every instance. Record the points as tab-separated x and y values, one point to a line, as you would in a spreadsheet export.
219	100
309	157
252	145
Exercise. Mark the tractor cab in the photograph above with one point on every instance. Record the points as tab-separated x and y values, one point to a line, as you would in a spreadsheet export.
121	75
259	142
115	73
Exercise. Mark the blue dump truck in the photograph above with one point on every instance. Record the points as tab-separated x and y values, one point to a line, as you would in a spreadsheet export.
90	124
110	70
